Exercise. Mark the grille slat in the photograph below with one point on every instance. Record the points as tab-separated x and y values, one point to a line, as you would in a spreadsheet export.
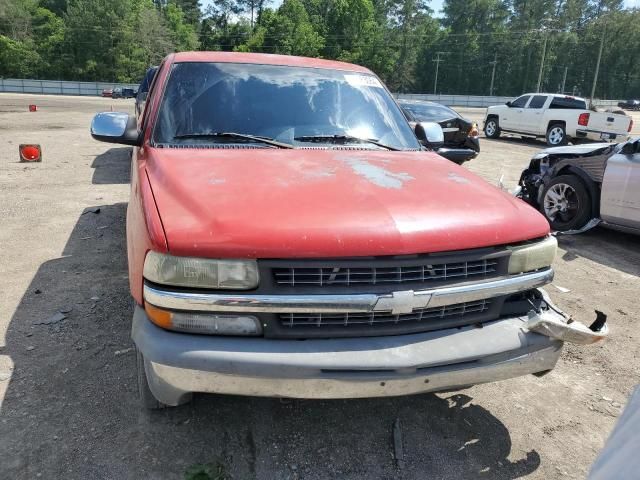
457	311
345	276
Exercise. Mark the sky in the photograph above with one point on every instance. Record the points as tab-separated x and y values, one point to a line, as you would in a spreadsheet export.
436	5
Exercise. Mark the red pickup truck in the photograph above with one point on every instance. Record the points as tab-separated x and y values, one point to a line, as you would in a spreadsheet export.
289	236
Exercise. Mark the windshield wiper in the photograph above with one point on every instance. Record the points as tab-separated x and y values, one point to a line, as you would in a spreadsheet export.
244	136
343	139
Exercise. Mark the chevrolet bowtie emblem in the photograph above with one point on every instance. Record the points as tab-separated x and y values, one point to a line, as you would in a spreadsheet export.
402	302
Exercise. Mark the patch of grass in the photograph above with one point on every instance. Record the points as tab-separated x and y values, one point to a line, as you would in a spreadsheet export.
209	471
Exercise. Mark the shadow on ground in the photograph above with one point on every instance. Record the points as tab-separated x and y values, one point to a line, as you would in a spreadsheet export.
71	407
607	247
112	167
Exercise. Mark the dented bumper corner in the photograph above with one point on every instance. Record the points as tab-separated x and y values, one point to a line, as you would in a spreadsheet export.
555	324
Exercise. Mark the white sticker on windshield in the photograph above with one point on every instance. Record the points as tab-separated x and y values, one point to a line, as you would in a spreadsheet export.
363	81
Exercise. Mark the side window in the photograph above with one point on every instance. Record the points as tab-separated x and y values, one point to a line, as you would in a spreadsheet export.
568	102
537	101
152	88
520	102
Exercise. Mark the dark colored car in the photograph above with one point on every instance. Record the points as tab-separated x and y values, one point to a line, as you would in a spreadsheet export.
128	93
143	89
630	105
461	136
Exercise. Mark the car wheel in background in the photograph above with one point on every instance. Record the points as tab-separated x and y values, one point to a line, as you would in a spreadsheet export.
566	203
492	128
556	135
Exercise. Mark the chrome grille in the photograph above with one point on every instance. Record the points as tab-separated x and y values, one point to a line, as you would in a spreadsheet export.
457	311
345	276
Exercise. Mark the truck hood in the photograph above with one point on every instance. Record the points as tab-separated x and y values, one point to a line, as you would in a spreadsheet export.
270	203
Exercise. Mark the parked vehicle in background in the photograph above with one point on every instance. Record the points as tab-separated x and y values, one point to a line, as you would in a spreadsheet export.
143	89
575	184
128	93
461	136
630	105
276	199
107	92
558	118
117	92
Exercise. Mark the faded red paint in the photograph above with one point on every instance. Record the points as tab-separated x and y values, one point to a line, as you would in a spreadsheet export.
329	203
273	203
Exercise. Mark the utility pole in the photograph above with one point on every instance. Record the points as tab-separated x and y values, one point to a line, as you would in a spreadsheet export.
595	77
437	60
544	52
493	72
564	79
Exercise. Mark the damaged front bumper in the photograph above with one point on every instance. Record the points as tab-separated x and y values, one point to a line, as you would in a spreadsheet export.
177	364
554	323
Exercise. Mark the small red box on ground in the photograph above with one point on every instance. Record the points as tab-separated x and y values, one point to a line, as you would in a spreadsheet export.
30	153
33	108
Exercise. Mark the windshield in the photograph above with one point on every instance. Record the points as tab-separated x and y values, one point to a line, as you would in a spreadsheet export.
425	112
293	105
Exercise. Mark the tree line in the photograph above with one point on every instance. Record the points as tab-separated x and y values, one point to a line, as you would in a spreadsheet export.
517	43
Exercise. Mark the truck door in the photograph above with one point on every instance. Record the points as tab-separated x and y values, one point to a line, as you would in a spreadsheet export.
532	115
620	197
512	118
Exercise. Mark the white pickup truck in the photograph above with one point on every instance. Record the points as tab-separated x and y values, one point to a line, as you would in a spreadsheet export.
558	118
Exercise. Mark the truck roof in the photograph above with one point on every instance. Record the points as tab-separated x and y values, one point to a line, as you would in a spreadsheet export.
265	59
561	95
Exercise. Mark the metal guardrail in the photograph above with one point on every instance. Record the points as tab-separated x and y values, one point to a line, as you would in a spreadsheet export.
478	100
58	87
61	87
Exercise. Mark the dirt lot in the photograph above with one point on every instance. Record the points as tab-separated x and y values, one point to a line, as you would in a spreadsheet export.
68	391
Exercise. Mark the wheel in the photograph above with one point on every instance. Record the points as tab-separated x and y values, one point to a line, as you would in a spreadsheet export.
566	203
147	399
556	135
492	128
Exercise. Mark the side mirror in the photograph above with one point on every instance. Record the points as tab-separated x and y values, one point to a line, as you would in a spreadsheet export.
429	134
508	104
115	127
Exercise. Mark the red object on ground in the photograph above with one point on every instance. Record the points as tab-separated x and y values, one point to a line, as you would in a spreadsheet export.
30	153
33	108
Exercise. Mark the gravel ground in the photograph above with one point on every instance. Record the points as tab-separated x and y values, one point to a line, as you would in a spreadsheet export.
68	391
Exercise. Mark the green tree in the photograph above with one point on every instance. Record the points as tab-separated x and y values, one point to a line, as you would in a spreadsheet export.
183	34
286	31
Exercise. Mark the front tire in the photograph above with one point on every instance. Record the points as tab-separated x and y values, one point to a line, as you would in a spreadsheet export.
556	135
566	203
147	399
492	128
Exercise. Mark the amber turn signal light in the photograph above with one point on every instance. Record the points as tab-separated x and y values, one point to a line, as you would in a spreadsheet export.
30	153
161	318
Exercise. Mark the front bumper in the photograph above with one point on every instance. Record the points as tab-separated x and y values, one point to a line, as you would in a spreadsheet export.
177	364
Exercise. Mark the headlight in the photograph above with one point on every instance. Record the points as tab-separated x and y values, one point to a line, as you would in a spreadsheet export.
526	258
208	323
200	272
